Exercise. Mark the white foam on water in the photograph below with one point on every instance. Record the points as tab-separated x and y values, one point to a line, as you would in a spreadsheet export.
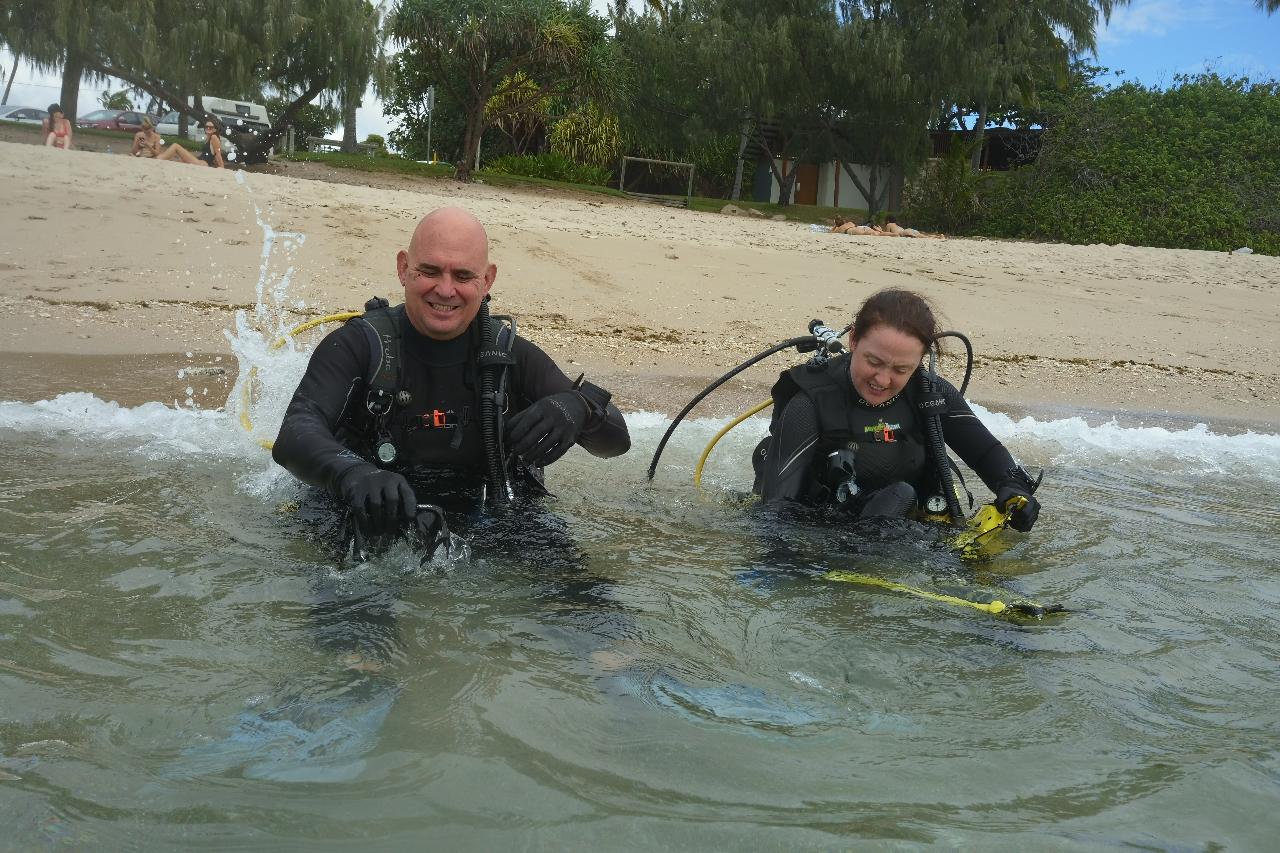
1062	441
154	428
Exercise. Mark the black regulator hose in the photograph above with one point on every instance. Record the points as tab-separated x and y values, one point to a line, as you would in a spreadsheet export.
933	423
804	343
490	412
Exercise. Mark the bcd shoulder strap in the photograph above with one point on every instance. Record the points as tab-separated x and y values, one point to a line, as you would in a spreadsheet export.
382	327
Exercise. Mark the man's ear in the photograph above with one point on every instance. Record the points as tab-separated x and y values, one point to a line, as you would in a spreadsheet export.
489	275
402	267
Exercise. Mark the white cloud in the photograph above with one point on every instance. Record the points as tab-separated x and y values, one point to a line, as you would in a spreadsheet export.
1156	19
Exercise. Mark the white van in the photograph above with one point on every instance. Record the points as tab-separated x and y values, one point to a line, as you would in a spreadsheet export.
231	114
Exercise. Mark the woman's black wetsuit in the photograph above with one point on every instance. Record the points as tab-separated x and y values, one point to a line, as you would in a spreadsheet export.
893	470
437	433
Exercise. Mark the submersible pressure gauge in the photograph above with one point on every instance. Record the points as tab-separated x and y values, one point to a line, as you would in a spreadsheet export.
386	452
936	503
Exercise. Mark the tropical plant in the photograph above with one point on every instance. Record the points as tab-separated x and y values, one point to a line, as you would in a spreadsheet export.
470	46
115	100
517	109
549	166
588	136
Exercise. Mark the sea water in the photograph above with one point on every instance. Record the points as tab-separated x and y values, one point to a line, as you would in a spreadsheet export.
183	663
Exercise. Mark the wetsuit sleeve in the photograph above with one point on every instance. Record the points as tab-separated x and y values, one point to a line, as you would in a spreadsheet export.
792	450
972	441
307	445
605	434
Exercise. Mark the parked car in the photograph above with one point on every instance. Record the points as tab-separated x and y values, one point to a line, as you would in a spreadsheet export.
126	121
23	115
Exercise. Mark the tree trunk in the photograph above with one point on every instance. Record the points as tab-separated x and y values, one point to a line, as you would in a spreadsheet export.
979	130
12	74
349	140
742	149
72	71
470	143
257	152
788	183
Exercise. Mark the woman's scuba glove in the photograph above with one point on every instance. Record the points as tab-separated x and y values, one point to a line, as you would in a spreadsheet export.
1018	483
382	502
546	430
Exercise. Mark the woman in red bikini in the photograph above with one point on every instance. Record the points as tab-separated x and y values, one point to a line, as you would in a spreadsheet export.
57	129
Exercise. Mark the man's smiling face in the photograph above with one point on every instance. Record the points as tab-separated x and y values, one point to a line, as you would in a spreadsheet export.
446	273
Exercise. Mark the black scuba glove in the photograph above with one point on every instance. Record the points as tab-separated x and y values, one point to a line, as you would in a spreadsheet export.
381	501
546	430
1018	483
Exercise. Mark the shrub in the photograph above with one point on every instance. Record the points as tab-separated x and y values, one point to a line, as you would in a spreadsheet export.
549	166
1194	166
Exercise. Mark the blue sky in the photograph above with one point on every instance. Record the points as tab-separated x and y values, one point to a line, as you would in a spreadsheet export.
1152	41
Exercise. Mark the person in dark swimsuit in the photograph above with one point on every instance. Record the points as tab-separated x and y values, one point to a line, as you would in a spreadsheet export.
210	154
865	408
393	410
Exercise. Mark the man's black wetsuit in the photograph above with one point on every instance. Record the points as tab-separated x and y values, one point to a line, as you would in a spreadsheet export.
889	439
441	449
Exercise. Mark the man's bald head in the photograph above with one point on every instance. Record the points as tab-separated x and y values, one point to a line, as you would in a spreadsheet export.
452	225
445	272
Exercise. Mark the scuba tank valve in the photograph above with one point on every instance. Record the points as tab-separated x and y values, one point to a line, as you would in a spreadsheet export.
828	338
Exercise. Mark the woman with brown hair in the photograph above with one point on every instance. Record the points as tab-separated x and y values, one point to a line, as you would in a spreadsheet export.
210	154
57	130
853	433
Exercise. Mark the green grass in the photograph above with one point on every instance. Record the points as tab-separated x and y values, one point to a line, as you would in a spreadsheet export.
403	166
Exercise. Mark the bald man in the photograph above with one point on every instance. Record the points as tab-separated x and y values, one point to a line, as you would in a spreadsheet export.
433	402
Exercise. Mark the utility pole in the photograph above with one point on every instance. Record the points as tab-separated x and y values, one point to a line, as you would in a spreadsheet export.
431	107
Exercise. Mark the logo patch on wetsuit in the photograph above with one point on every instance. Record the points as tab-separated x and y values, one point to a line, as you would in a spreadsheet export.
882	432
441	419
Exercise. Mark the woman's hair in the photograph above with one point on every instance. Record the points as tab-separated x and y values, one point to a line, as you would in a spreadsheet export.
903	310
49	122
147	123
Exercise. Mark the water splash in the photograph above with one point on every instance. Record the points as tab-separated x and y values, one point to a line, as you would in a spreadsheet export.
269	364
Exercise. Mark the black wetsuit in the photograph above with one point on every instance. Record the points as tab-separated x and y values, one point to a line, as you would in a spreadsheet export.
892	464
441	449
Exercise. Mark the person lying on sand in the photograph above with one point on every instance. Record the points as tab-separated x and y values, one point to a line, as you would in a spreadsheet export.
844	226
892	228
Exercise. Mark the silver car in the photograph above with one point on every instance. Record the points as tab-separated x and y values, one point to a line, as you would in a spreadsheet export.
23	115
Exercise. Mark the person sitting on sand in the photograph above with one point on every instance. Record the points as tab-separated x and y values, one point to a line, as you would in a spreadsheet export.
147	142
210	154
892	228
57	130
853	434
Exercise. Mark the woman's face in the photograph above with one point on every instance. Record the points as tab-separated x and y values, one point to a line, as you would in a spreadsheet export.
883	360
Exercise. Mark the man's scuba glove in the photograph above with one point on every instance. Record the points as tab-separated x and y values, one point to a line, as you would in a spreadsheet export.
382	502
546	430
1018	483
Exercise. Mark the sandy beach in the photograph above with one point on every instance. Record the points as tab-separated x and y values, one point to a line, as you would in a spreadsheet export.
114	269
